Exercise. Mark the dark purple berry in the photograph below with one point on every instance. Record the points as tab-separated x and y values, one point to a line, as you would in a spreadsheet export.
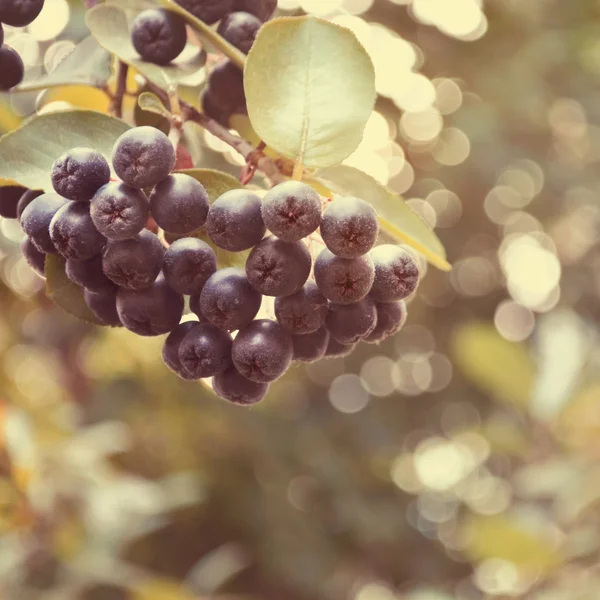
349	227
158	35
1	35
391	316
36	218
19	13
292	210
79	173
179	204
26	199
303	312
396	273
205	351
89	274
311	347
135	263
188	264
211	109
344	280
104	306
170	350
336	350
233	386
262	351
276	268
151	311
228	301
209	11
9	200
11	68
143	156
226	87
119	211
35	259
73	233
234	221
349	323
240	29
263	9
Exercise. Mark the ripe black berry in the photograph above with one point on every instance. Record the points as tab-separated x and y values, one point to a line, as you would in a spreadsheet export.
35	259
36	218
303	312
143	156
262	351
349	323
179	204
228	301
226	87
73	233
344	280
26	199
234	221
135	263
79	173
119	211
188	264
209	11
396	273
311	347
9	200
104	306
349	227
336	350
292	210
240	29
158	35
391	316
205	351
276	268
89	274
263	9
233	386
151	311
1	35
11	68
211	109
19	13
170	350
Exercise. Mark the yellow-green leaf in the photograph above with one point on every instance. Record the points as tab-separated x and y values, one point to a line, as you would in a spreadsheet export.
396	218
108	24
310	89
496	366
151	103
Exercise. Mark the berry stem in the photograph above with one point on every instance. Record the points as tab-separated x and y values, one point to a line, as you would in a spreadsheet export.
298	171
116	106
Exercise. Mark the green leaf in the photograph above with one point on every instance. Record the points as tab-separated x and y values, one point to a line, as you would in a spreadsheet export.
108	24
310	89
208	34
88	64
27	154
216	184
151	118
63	292
152	103
396	218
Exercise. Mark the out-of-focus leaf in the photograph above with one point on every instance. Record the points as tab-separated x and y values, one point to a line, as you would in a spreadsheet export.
76	96
497	367
578	425
161	589
310	89
27	154
507	538
108	24
88	64
63	292
396	218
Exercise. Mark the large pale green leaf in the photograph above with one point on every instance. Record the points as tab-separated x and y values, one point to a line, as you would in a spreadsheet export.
216	184
108	24
63	292
397	219
208	34
27	154
88	64
310	88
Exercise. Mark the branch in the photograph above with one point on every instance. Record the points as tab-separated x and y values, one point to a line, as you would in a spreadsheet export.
116	106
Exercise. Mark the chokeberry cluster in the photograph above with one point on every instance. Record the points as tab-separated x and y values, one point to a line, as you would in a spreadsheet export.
15	13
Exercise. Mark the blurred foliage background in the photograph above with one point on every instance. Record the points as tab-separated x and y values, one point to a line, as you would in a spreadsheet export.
459	460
